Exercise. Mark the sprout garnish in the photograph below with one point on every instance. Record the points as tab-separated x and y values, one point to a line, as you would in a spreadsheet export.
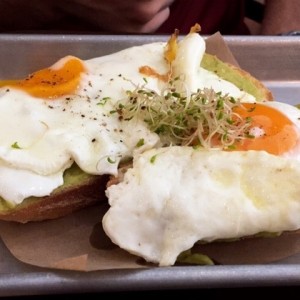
205	118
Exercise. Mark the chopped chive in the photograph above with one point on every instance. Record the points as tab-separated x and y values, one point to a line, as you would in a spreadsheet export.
140	143
152	159
15	145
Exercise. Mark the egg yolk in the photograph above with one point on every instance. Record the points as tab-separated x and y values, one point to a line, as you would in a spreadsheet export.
277	132
51	82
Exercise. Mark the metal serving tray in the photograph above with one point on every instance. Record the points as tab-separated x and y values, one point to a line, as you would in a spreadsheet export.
274	60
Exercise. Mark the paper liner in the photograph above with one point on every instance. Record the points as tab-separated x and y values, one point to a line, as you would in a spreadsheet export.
252	250
216	45
77	242
74	242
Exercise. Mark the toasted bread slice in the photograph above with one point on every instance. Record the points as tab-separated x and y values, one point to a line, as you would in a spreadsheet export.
79	190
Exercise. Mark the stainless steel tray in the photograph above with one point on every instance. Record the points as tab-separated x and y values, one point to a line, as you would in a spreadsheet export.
274	60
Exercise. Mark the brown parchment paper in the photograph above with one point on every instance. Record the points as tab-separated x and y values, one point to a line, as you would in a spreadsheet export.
74	242
77	241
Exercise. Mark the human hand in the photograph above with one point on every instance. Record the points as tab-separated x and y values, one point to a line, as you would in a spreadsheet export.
130	16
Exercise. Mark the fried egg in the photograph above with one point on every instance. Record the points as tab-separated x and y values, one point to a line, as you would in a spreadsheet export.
61	115
176	196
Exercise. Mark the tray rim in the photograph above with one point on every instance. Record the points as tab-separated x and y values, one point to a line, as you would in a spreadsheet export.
45	281
152	279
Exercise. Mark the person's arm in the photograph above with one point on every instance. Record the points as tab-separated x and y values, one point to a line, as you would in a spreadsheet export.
281	16
117	16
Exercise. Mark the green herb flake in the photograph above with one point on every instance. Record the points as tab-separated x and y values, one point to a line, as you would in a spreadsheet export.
15	145
152	159
140	143
231	147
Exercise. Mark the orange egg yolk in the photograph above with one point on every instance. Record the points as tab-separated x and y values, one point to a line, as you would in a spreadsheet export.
51	82
279	133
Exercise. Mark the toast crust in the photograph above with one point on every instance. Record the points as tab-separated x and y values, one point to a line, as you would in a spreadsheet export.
89	192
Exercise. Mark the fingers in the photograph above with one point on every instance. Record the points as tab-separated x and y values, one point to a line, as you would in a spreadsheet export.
131	16
145	10
153	24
